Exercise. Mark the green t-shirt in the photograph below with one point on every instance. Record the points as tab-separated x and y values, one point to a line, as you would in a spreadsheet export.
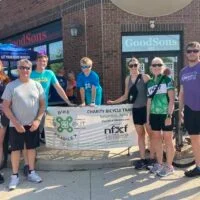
159	104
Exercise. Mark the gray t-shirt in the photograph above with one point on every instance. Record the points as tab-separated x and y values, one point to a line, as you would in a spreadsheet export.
24	99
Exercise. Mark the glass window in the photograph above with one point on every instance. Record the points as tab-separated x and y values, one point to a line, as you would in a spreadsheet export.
56	50
56	66
41	49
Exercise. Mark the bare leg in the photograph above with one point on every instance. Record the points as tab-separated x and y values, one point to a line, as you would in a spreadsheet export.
2	135
141	140
15	158
31	158
170	150
158	144
150	133
195	139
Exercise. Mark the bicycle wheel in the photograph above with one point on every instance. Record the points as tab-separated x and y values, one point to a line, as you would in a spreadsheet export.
184	157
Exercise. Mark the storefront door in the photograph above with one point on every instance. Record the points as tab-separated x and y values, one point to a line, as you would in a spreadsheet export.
147	46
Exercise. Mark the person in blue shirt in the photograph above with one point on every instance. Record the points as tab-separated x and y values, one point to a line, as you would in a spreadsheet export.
47	78
88	83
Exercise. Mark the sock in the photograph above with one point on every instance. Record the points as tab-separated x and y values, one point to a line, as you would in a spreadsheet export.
16	174
30	171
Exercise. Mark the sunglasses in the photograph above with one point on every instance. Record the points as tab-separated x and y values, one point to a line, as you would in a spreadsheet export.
132	65
192	51
24	68
157	65
85	67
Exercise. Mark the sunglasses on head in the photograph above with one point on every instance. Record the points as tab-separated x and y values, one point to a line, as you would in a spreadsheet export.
157	65
24	68
192	51
85	67
133	65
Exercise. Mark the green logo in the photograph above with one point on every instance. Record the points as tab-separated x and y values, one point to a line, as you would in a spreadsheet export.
64	124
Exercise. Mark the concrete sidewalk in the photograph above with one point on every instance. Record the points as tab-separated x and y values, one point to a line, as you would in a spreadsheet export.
62	160
106	184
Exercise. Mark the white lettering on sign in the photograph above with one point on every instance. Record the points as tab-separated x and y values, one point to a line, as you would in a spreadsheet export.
150	43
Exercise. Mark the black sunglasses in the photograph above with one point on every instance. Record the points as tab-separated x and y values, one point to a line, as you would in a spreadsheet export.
192	51
157	65
24	68
133	65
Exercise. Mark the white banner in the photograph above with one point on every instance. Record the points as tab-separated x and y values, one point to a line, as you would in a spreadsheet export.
98	127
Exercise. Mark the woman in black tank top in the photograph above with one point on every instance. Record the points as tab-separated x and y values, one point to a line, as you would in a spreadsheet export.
139	109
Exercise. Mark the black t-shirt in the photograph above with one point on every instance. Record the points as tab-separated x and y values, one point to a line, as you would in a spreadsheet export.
53	95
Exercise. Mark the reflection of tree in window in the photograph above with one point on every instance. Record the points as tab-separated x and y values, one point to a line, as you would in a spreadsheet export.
56	66
59	54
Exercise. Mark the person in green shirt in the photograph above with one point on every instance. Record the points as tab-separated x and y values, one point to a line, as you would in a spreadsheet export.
160	106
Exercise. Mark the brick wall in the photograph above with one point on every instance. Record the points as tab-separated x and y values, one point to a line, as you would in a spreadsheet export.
95	19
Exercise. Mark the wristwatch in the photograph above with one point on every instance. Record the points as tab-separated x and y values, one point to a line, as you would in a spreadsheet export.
169	116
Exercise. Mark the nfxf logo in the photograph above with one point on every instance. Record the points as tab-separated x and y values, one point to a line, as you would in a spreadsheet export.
116	129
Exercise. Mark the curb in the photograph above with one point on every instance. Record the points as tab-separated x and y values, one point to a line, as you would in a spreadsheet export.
71	165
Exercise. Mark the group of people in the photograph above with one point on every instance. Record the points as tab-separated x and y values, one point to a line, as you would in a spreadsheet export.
153	105
24	102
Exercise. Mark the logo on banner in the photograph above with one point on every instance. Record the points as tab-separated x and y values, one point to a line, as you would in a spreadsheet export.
64	124
116	132
116	129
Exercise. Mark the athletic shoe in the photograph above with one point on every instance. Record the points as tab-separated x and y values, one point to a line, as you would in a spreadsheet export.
166	171
192	173
14	181
140	164
156	168
1	179
34	177
26	170
150	163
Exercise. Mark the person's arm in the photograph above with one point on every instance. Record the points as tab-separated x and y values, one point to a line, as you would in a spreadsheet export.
171	95
82	94
145	77
148	110
11	117
124	96
62	93
39	116
181	104
93	95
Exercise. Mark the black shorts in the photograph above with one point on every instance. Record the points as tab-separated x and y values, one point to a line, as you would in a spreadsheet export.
17	140
139	115
157	122
4	121
192	121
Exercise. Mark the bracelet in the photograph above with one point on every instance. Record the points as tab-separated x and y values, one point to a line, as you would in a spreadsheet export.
37	119
169	116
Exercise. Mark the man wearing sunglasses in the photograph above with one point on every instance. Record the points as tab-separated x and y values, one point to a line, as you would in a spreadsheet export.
88	83
24	105
189	100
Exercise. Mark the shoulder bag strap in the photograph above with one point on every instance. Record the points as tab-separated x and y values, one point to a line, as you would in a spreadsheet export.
154	92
